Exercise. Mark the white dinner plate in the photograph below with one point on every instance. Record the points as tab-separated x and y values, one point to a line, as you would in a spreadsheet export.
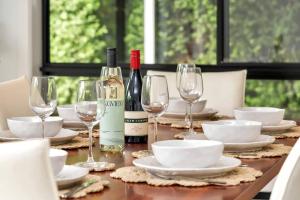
261	141
284	125
70	175
224	165
207	112
63	136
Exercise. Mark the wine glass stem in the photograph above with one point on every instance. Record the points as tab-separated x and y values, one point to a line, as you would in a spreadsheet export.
90	155
43	127
186	117
155	129
191	129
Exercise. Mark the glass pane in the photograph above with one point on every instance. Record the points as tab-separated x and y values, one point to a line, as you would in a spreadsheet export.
186	31
134	38
263	31
80	30
281	94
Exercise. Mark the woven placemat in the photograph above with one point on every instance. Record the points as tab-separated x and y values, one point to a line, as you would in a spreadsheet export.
181	136
75	143
141	153
272	150
184	125
180	123
106	166
291	133
137	175
164	120
96	187
85	133
198	123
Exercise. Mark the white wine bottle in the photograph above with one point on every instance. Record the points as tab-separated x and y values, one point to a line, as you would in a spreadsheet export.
112	122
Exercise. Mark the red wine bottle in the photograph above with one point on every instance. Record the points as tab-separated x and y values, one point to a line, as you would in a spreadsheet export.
136	119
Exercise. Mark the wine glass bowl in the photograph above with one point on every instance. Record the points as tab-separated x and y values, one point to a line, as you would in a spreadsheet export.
42	97
190	88
87	112
155	108
155	97
191	84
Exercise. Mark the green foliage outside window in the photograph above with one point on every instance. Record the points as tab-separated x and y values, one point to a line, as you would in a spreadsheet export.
80	31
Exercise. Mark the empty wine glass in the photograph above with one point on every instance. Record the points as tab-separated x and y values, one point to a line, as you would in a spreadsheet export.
42	98
178	76
90	107
155	97
191	88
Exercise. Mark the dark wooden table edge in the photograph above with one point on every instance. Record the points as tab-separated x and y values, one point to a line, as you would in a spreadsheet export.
261	182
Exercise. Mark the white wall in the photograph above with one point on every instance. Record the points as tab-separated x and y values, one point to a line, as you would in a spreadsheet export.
20	38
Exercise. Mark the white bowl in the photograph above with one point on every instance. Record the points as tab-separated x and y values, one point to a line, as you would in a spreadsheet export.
177	105
31	127
267	115
232	131
187	153
57	158
67	112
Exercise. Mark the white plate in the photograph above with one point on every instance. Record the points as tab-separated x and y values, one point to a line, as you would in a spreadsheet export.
284	125
225	164
207	112
70	175
63	136
261	141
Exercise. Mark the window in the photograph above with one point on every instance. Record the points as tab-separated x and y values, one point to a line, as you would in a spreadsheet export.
218	35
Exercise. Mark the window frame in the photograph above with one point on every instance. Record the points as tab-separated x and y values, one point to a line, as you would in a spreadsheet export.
274	71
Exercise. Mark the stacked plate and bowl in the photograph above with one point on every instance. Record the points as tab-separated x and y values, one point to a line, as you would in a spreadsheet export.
25	128
189	158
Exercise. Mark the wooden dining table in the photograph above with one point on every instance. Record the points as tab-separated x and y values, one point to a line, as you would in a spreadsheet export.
119	190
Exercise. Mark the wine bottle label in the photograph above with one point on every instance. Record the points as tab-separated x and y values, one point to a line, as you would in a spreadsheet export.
112	123
136	123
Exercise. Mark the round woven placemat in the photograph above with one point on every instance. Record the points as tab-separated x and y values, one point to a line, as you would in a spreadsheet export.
269	151
95	187
137	175
85	133
291	133
75	143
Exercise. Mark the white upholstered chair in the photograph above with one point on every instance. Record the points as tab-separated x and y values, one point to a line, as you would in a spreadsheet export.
286	186
26	171
224	91
14	100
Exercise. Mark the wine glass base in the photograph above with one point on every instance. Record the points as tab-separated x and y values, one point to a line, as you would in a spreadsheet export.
93	166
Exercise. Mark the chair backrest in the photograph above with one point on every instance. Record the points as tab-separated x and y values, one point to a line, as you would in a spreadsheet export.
14	101
224	91
26	172
286	186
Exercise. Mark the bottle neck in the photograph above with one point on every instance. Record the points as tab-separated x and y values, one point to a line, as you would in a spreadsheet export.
111	57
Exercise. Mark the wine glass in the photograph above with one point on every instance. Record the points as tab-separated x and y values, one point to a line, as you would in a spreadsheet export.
42	98
155	97
178	75
191	89
90	107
